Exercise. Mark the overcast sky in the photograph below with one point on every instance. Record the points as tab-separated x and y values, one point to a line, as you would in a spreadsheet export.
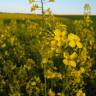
59	7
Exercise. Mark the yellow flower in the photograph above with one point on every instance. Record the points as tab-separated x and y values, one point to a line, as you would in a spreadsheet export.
34	7
82	70
71	62
72	44
57	38
63	35
33	83
50	75
73	55
60	94
57	32
51	93
77	75
4	45
80	93
58	75
79	44
44	60
53	43
70	59
59	35
74	41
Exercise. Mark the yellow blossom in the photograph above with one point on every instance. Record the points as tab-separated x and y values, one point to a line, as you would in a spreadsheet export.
63	35
51	93
73	55
70	63
58	75
59	35
77	75
34	7
82	70
70	59
52	75
79	44
57	38
60	94
80	93
72	44
33	83
74	41
53	43
4	45
72	36
57	32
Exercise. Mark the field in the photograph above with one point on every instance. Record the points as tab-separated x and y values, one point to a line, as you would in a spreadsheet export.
49	56
67	19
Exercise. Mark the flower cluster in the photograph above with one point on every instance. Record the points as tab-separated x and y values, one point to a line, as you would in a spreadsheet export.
59	39
77	74
53	75
80	93
74	41
70	59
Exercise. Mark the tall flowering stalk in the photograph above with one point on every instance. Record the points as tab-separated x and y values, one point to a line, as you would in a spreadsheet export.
40	6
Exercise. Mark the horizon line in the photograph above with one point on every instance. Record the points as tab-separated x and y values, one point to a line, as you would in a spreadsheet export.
40	13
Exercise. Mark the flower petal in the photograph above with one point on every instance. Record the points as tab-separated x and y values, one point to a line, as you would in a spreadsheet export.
71	36
79	44
73	55
72	63
65	61
57	32
66	55
72	44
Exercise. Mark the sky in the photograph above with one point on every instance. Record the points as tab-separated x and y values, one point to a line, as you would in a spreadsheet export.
58	7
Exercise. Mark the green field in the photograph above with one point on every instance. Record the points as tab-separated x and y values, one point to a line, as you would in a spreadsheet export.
67	19
21	16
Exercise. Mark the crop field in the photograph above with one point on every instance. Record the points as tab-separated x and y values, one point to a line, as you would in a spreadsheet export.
47	55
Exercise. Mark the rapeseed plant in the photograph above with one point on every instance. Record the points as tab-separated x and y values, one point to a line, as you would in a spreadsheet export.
74	41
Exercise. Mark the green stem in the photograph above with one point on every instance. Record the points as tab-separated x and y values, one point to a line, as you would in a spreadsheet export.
42	7
45	81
